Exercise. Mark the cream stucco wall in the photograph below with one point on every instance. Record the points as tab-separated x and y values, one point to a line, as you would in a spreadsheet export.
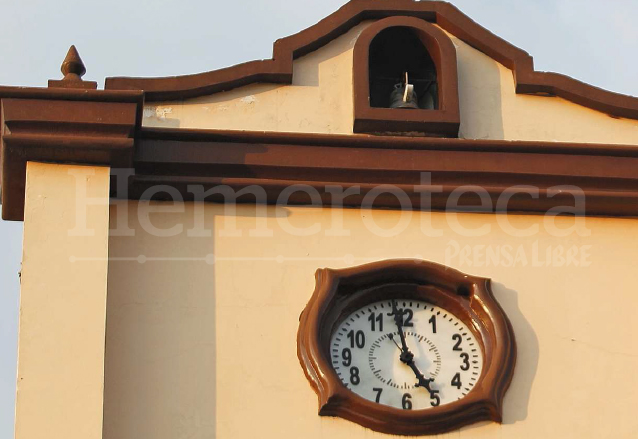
202	321
63	303
491	109
320	101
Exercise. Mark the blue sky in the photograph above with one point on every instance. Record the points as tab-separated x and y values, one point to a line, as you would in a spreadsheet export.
160	37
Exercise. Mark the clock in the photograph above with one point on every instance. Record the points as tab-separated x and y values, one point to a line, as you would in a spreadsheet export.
406	347
407	354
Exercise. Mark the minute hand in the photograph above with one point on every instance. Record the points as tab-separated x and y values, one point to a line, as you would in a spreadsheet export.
423	382
406	355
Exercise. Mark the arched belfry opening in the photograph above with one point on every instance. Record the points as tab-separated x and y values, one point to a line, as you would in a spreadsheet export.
405	79
402	74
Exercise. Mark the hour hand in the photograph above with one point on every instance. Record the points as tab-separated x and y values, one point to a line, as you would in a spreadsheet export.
406	356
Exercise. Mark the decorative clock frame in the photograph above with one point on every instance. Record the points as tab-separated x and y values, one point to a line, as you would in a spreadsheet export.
470	298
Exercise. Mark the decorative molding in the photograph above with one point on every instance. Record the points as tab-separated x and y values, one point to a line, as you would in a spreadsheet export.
606	174
62	125
279	68
444	121
107	132
469	298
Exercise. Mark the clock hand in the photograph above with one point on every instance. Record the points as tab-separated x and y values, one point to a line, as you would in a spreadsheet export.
391	337
406	355
423	382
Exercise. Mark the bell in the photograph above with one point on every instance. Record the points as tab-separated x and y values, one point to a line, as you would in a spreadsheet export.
429	98
403	95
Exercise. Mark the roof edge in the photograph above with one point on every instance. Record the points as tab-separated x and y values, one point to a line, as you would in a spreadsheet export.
285	50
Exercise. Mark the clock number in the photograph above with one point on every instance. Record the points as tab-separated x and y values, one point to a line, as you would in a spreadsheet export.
433	322
456	381
354	376
435	400
347	357
358	339
466	361
458	339
408	314
407	401
378	319
378	390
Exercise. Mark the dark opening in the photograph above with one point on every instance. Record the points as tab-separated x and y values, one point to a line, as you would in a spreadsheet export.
463	291
393	52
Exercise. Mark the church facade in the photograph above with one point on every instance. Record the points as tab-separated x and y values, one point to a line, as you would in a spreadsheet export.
174	229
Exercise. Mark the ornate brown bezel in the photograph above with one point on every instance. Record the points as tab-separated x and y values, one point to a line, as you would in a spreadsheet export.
339	292
444	121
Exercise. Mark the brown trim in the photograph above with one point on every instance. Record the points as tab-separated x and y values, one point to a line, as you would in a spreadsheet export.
386	142
338	292
445	121
275	161
62	125
279	69
70	94
84	132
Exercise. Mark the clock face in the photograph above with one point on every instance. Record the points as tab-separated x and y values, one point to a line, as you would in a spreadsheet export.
406	354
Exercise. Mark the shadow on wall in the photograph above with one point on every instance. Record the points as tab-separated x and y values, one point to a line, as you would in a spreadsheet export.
161	375
480	96
161	116
517	397
306	68
160	367
306	72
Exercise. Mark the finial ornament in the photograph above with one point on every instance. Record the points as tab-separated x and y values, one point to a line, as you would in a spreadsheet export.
73	69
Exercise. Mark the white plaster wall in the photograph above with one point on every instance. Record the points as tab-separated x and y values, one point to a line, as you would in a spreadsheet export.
201	330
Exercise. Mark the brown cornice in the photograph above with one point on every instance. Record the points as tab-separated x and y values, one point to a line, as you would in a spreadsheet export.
279	68
108	133
63	125
69	94
606	174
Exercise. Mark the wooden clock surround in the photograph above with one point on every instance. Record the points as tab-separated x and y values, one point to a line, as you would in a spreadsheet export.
339	292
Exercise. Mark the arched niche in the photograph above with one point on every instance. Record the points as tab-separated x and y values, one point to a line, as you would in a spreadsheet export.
387	49
393	52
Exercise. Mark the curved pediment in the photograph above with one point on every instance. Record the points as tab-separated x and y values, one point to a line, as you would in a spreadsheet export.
279	69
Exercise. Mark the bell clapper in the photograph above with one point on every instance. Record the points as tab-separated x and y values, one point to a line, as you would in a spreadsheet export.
403	95
408	88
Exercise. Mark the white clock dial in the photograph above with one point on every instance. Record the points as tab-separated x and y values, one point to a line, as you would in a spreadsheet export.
425	358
